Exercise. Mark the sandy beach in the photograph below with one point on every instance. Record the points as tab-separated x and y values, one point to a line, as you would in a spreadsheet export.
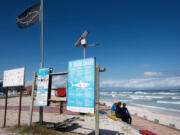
145	118
84	124
152	115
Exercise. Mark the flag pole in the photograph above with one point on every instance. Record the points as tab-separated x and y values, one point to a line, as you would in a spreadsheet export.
42	59
42	53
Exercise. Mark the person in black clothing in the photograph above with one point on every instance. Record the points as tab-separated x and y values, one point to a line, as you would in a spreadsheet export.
127	114
120	112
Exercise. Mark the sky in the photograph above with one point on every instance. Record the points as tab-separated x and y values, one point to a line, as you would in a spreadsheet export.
140	49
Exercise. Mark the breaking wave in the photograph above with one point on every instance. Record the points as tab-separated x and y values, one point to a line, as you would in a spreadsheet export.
168	102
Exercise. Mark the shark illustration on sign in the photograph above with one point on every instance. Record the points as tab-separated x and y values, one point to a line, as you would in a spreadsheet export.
81	84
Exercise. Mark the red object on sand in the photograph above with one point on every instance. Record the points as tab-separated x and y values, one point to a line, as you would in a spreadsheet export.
146	132
61	92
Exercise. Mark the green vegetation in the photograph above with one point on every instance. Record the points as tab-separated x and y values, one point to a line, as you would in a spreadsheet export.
36	129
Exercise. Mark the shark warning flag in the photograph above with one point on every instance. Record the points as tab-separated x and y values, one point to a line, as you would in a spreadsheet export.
29	17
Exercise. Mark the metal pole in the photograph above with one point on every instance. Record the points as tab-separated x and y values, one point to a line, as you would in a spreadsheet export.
84	52
42	60
32	98
5	111
20	101
42	36
97	99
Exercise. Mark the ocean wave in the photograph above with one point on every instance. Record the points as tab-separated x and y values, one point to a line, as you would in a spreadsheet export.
140	92
155	107
118	95
124	92
122	95
136	97
146	97
178	97
168	102
114	95
114	92
175	90
163	93
125	101
154	97
104	93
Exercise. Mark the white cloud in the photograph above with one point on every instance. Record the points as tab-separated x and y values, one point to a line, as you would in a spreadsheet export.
153	73
144	83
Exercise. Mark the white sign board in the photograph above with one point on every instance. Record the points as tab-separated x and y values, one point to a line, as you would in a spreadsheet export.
14	77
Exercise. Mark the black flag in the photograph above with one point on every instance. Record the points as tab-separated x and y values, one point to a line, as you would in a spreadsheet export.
29	17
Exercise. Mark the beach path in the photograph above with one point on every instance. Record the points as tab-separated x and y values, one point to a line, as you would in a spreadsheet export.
140	123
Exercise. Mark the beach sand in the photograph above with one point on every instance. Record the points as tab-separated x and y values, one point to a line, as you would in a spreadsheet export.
145	118
85	124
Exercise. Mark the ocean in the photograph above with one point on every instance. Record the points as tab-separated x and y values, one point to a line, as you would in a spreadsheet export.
161	100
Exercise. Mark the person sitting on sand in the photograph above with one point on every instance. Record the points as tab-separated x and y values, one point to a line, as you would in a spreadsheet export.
113	108
128	115
120	112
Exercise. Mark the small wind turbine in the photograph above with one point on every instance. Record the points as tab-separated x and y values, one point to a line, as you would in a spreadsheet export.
82	41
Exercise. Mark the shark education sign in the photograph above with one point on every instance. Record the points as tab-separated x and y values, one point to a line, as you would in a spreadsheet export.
81	85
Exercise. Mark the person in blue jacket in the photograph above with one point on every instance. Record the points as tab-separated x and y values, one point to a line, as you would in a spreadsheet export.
113	107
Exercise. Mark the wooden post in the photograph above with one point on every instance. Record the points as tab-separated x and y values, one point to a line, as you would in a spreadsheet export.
32	98
5	111
61	107
20	101
97	99
50	85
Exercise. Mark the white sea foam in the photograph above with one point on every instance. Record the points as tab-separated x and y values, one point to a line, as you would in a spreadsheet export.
175	90
154	97
155	107
164	93
168	102
122	95
104	93
145	97
113	92
126	101
178	97
124	92
114	95
136	97
140	92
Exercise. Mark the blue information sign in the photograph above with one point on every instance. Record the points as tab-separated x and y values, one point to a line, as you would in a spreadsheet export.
81	85
42	87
